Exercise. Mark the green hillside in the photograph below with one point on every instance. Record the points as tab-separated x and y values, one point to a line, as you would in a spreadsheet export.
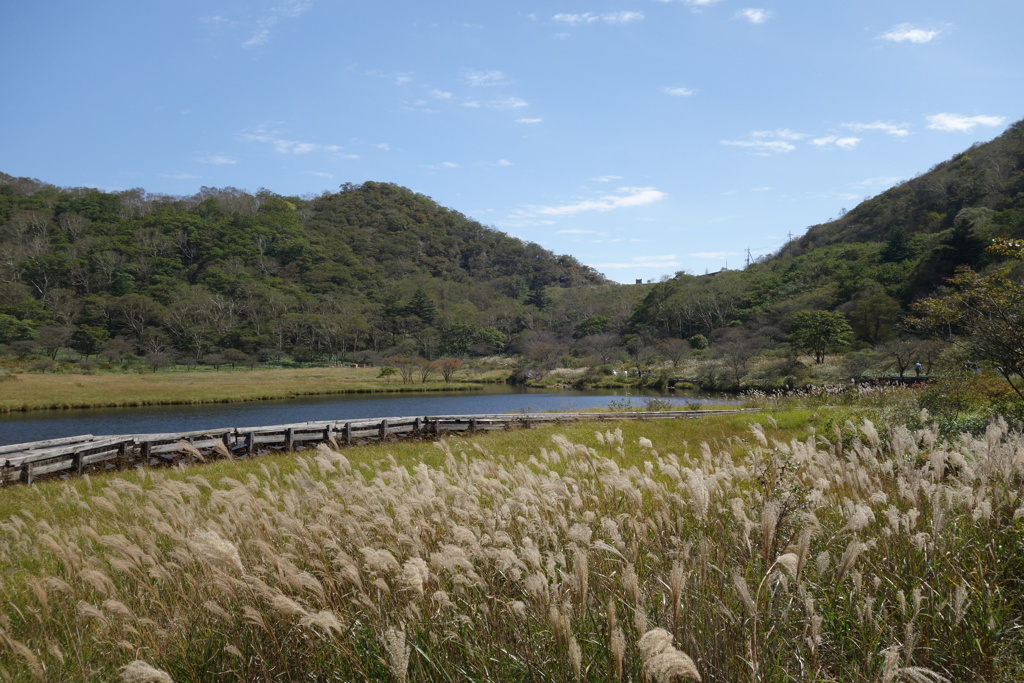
872	263
373	266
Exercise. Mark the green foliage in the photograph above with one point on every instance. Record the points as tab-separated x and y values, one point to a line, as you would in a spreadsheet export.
818	332
370	267
594	324
987	311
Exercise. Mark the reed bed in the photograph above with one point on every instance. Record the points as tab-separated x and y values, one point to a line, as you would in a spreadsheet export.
854	556
119	390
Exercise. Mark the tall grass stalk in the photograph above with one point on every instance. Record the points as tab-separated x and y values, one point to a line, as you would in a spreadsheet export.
619	554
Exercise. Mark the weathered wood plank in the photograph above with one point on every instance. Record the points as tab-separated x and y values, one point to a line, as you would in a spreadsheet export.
15	447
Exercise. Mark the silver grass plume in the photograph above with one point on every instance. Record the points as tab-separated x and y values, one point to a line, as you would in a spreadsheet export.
662	662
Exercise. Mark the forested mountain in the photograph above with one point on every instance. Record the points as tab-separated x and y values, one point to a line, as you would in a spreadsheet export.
871	264
378	270
373	266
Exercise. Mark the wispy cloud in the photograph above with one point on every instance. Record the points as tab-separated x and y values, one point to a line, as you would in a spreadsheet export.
908	33
283	145
217	160
842	143
754	16
530	121
577	19
768	141
677	91
875	183
717	255
287	9
964	124
694	3
485	79
896	130
623	198
606	178
660	261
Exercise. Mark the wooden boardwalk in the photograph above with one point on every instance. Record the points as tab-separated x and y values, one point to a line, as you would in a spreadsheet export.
77	454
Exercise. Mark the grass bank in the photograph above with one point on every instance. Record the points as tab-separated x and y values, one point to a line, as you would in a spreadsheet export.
32	391
739	548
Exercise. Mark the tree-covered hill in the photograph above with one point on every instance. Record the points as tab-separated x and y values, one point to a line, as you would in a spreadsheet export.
224	271
871	265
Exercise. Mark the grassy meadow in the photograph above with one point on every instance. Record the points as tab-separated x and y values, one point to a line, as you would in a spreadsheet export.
40	391
802	545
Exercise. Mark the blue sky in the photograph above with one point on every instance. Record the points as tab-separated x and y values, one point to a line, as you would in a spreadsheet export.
643	137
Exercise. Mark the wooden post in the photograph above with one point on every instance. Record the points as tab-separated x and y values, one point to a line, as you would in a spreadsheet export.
472	424
76	462
417	425
348	433
26	473
383	430
327	434
289	439
147	450
250	443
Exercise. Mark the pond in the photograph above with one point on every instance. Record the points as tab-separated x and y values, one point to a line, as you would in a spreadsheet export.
52	424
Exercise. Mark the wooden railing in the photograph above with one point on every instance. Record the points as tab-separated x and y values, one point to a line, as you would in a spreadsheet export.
73	455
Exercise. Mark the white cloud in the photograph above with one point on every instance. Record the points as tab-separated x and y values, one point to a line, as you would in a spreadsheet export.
217	160
441	94
606	178
843	143
576	19
907	33
622	17
504	162
449	164
964	124
322	174
768	141
876	183
677	91
484	79
660	261
754	16
895	130
537	120
715	254
283	145
508	103
626	197
288	9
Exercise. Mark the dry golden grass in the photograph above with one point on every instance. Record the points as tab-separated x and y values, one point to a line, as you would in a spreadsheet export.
45	391
600	552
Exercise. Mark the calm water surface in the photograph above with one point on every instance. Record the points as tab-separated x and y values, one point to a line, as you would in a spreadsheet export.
52	424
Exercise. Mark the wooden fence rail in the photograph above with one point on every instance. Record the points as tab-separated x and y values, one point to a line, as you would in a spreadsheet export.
74	455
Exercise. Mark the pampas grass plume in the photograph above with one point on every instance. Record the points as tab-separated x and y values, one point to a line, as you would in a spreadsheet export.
662	662
143	672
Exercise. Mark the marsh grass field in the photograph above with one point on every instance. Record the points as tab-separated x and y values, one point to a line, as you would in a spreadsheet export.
802	545
42	391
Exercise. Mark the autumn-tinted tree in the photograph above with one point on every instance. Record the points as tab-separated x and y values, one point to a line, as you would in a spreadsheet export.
986	313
